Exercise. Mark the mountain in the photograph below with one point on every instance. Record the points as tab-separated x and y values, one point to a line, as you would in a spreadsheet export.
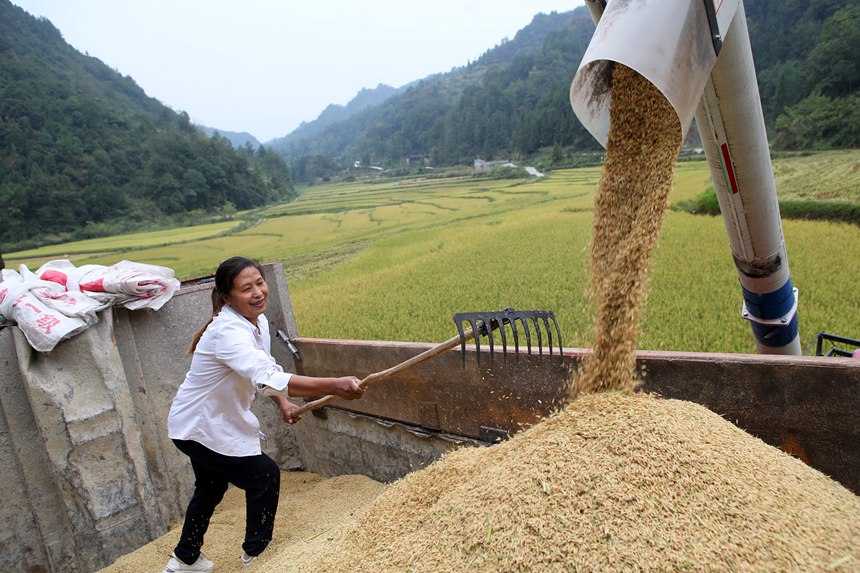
807	57
236	139
336	113
513	101
85	152
510	101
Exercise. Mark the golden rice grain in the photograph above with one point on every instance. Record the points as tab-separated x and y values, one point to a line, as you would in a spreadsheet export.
312	512
644	141
613	483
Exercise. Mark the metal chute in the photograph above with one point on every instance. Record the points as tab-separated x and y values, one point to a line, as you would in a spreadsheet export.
697	53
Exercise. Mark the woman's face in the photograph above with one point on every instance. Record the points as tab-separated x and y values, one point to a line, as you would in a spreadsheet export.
249	294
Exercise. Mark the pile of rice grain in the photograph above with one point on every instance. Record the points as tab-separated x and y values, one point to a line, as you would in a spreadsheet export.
613	483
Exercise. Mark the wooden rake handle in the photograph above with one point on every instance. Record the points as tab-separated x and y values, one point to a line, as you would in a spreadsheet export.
453	342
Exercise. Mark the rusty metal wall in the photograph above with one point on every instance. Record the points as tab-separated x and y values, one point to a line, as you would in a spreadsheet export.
807	406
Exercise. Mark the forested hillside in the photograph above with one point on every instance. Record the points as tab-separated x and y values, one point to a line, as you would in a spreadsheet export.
237	139
513	101
807	56
337	113
85	152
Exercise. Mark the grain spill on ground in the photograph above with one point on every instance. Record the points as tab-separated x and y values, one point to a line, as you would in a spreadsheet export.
616	481
312	511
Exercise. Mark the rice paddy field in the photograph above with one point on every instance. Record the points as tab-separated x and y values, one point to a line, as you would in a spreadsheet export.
394	259
127	242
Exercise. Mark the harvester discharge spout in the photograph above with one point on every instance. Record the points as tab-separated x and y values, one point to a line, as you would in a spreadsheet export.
697	53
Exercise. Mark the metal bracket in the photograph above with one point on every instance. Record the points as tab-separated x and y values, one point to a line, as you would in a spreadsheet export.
819	339
493	435
320	413
716	37
282	334
785	319
596	9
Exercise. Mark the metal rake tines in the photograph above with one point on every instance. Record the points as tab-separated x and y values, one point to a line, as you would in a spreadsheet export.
484	323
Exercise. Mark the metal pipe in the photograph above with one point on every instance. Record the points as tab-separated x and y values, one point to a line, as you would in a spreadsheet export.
683	48
731	124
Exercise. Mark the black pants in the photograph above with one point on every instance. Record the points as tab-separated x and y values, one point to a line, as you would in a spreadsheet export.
260	478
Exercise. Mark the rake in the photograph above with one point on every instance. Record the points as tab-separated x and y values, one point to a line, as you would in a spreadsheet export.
487	322
481	324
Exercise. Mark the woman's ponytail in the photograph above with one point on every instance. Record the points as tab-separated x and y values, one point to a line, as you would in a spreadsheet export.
217	305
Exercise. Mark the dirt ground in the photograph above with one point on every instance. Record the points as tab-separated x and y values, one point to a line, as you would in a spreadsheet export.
313	511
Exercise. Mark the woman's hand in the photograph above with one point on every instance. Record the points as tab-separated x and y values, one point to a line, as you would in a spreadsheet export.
287	413
348	387
286	408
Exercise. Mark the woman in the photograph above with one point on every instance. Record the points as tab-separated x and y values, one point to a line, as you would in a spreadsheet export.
211	421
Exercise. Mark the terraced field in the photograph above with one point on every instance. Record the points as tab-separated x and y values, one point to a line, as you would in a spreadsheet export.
394	259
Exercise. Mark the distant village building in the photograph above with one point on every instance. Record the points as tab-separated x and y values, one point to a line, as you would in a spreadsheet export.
414	160
481	165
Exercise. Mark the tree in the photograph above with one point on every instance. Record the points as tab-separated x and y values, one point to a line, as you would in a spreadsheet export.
820	122
780	86
833	66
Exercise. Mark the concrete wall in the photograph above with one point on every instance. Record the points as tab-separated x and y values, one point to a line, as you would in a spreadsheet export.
87	472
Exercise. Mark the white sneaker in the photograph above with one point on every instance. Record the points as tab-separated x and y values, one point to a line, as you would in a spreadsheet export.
174	565
247	559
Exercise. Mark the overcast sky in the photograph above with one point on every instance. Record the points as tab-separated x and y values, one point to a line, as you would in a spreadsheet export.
264	66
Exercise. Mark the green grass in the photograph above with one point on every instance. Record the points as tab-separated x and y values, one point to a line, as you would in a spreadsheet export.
823	186
127	242
393	260
830	175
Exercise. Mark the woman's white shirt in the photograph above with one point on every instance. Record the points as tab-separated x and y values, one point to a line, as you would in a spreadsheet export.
230	366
